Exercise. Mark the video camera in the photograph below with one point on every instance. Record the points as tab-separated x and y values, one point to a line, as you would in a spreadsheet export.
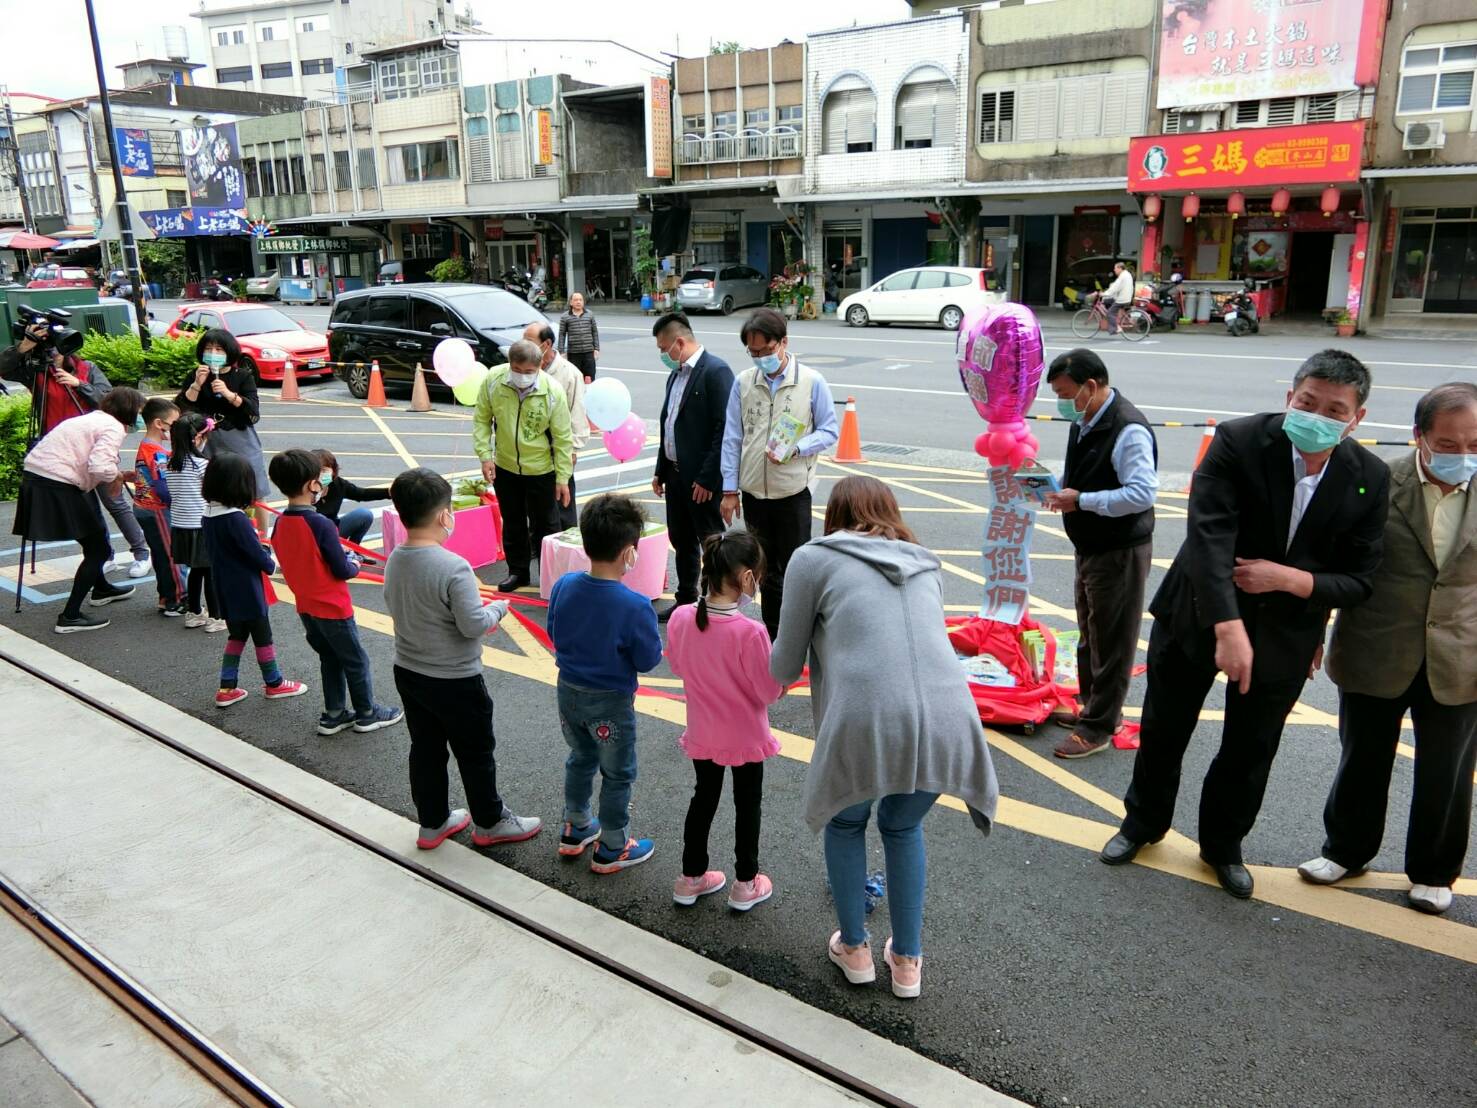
59	334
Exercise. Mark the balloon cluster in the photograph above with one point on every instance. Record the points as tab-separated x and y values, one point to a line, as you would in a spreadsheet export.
1000	364
607	401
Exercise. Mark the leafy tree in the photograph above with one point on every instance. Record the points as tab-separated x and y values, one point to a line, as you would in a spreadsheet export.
726	48
450	269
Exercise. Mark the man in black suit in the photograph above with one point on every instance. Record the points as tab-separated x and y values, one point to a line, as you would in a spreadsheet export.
688	475
1287	518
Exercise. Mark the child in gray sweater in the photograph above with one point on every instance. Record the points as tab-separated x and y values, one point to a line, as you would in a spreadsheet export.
440	620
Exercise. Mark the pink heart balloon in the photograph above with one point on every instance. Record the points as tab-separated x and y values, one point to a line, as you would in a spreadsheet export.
1000	365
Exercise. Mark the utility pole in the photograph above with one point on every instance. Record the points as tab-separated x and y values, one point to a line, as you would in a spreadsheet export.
14	142
125	215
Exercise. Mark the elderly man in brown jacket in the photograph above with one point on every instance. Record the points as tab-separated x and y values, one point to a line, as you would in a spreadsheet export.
1413	647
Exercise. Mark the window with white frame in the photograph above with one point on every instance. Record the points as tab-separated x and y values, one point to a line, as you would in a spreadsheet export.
849	118
756	117
308	26
510	161
422	161
230	36
1099	105
924	114
275	31
438	70
398	78
695	125
790	115
1437	78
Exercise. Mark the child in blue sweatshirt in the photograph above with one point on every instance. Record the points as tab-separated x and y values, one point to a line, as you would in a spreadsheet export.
604	634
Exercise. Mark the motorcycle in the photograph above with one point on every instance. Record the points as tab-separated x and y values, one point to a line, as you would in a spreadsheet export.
1241	315
514	282
538	295
218	288
1163	307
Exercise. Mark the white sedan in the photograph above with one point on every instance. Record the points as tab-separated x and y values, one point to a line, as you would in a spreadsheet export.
928	294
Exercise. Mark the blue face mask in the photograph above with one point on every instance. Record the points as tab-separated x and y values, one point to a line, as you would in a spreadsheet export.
1451	469
768	364
1312	433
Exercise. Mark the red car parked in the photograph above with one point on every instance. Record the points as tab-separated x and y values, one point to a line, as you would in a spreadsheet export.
267	336
60	277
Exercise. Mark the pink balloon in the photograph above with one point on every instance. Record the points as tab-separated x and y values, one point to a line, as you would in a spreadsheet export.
453	360
627	440
1000	365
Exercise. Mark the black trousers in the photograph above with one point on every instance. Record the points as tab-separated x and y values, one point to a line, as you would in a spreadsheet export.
529	513
454	712
1441	800
569	514
1237	778
96	550
1110	612
585	363
748	792
782	527
199	583
688	524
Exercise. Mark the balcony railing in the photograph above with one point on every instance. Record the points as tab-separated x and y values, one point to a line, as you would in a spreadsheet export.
750	144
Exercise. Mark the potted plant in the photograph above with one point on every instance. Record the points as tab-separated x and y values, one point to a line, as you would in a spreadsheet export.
644	264
1343	324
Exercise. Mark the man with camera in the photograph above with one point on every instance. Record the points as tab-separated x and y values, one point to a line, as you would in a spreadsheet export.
63	386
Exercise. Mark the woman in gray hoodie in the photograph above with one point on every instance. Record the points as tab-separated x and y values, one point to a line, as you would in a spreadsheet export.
894	721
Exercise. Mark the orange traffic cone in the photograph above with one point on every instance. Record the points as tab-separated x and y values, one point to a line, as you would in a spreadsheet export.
849	447
376	398
289	382
1205	441
420	397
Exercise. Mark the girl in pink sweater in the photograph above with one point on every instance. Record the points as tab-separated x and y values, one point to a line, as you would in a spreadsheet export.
723	660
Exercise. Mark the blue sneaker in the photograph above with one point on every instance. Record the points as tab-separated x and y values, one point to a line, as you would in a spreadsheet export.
573	840
606	860
333	724
380	717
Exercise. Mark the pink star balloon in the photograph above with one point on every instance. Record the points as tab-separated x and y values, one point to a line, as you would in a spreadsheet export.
1000	363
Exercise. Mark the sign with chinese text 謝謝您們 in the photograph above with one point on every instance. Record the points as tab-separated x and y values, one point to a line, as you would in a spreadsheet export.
1217	51
135	151
311	244
1311	154
1006	553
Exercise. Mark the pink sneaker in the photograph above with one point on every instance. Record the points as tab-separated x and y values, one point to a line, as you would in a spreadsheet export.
856	964
686	890
745	894
907	977
285	690
226	697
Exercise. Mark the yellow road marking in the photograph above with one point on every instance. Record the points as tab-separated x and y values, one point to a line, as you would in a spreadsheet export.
393	439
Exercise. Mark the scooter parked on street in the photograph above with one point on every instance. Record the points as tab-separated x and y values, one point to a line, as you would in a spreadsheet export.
1163	307
1241	315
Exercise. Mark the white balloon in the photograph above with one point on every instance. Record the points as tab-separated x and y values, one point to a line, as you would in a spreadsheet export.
453	360
607	403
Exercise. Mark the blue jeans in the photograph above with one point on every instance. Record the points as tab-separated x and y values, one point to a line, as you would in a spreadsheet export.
342	662
600	727
356	524
900	820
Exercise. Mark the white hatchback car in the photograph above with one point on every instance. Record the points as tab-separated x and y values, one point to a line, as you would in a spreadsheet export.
928	294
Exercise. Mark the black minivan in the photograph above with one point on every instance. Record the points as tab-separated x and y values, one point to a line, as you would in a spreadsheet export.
399	327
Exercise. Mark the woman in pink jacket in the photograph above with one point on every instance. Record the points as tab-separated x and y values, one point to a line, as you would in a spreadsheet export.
723	660
71	463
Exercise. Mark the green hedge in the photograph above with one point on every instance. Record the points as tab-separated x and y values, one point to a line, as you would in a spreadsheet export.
168	362
15	415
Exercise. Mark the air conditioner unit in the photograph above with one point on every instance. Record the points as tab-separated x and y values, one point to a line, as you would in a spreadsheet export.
1199	121
1424	134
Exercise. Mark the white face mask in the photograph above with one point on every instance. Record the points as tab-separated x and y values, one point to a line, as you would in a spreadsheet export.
631	561
450	525
522	380
749	591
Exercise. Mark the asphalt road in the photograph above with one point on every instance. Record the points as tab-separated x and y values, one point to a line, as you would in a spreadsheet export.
1048	975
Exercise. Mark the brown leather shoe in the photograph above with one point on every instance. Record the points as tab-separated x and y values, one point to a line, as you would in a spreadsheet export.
1075	746
1067	721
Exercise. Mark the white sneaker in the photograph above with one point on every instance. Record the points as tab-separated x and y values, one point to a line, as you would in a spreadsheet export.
139	568
214	625
196	619
1320	871
1434	899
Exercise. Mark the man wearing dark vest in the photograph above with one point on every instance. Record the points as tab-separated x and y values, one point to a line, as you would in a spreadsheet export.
1107	506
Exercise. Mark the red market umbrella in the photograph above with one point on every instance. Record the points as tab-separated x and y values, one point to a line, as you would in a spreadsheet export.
24	240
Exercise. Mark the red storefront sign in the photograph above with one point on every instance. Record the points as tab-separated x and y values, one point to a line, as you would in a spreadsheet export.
1312	154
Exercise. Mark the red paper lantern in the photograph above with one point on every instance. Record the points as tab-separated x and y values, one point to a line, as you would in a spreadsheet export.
1236	204
1329	201
1281	201
1152	206
1190	207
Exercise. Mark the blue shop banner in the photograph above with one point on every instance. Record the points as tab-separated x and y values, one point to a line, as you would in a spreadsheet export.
135	151
178	223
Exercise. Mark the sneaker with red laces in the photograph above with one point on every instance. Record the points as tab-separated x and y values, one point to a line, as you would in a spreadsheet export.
686	890
1075	746
285	690
226	697
907	975
745	894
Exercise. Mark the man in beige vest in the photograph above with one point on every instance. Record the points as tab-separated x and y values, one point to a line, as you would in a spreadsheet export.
1413	647
780	417
572	381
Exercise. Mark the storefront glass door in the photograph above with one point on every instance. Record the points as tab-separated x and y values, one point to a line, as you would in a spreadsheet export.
843	257
1451	281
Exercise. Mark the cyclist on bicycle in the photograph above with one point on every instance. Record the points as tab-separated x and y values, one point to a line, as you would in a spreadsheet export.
1119	295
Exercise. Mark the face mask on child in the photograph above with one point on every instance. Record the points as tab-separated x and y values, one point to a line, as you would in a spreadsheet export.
450	525
630	562
749	589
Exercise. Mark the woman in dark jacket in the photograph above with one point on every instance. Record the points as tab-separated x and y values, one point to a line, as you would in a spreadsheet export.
225	392
352	525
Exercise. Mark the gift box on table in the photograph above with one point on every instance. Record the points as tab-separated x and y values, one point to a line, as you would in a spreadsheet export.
564	553
477	537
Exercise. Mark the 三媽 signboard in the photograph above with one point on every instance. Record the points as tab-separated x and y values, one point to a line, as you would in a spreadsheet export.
1312	154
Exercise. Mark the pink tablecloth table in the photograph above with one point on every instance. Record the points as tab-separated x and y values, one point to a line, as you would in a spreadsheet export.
477	537
562	553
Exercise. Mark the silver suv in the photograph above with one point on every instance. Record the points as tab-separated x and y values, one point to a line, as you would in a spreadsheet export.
721	287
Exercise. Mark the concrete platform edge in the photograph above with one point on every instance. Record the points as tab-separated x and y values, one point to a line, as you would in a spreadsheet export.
882	1063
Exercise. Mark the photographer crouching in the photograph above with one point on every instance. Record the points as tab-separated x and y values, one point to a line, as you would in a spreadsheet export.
63	386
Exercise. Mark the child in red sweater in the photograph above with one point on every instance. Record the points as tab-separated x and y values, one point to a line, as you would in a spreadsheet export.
723	660
317	570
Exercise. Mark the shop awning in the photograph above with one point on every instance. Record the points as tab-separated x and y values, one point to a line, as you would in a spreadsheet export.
1468	169
76	244
577	205
25	240
926	193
